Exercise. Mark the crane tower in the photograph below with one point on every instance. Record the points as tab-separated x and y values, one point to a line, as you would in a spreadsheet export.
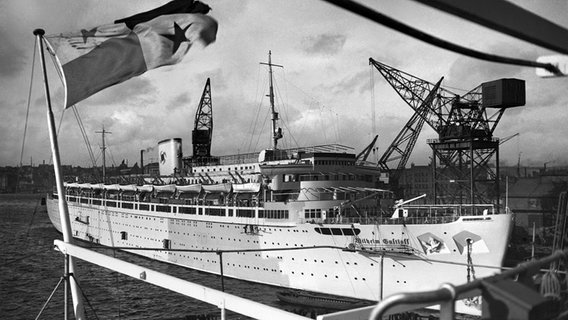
465	125
203	128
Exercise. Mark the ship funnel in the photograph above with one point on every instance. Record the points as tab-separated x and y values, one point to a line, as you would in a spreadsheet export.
170	154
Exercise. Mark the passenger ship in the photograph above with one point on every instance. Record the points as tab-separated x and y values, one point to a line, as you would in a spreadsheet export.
308	218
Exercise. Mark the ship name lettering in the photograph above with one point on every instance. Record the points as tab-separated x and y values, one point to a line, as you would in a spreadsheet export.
396	241
384	241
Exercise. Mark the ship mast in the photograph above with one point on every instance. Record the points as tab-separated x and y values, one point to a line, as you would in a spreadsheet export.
276	132
104	151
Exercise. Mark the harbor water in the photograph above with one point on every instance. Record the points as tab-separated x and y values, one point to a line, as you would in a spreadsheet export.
30	269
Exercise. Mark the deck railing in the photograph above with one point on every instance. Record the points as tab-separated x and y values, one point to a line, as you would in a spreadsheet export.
508	299
215	297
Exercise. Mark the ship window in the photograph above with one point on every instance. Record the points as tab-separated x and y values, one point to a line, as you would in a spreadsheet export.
312	213
163	208
187	210
336	231
127	205
214	212
124	235
351	232
167	244
245	213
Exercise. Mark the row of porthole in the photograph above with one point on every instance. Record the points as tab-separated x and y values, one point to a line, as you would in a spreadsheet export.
281	258
336	262
213	237
258	268
274	270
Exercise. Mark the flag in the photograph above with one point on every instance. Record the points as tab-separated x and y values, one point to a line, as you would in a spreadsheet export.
97	58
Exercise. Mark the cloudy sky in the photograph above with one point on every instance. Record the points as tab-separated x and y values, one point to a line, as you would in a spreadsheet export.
324	92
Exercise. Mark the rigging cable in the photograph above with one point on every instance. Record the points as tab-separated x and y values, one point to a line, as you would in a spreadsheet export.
258	112
417	34
29	99
322	106
84	134
253	123
287	137
284	123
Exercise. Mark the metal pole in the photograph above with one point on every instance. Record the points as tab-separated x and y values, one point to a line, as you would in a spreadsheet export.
497	177
66	287
63	211
271	96
221	270
223	310
434	184
104	154
472	182
533	239
382	277
448	307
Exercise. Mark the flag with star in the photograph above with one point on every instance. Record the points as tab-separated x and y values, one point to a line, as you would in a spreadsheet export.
96	58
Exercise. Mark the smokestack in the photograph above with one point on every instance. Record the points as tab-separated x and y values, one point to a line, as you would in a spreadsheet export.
142	160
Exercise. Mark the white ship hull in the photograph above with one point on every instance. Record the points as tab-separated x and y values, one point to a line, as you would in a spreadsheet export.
394	259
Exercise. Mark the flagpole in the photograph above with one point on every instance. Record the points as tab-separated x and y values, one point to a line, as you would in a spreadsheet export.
63	211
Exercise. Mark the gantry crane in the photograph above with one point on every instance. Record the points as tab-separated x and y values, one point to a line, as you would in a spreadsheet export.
465	126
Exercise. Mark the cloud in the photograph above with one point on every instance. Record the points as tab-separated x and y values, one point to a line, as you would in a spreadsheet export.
12	58
352	83
180	101
323	44
470	72
135	91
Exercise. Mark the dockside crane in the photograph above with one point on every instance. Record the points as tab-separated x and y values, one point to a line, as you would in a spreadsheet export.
203	128
403	144
465	126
